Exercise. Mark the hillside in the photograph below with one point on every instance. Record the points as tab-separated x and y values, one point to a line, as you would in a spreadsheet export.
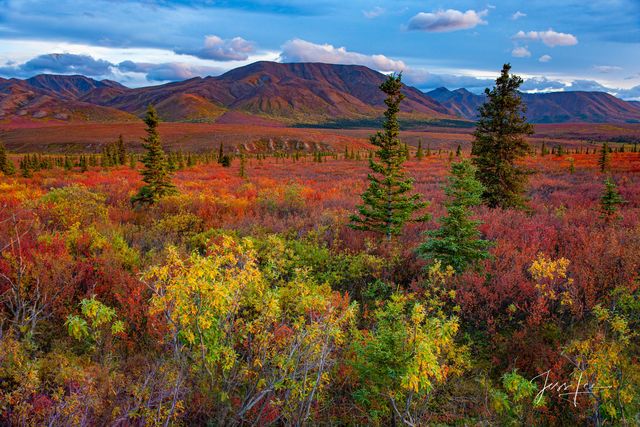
44	99
71	87
554	107
300	94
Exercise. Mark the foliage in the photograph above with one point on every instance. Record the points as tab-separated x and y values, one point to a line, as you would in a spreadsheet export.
262	351
499	142
409	351
515	404
75	204
386	206
603	361
270	262
97	326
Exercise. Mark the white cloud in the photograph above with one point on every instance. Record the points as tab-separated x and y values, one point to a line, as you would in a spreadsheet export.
550	38
588	86
632	94
218	49
447	20
518	15
605	69
545	58
521	52
373	13
170	71
298	50
425	80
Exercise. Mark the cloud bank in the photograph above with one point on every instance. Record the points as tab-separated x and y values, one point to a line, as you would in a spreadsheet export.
69	63
217	49
170	71
298	50
60	63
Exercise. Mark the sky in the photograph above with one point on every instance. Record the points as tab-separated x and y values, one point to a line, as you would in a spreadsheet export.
553	44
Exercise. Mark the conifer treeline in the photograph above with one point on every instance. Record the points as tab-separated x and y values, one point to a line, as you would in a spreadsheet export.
178	160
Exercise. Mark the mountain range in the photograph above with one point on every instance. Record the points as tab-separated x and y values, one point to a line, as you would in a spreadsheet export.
553	107
269	93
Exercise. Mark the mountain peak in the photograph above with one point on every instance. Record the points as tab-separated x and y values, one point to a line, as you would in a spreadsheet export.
463	91
69	86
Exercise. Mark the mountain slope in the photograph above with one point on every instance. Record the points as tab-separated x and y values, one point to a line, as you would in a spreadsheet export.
70	87
554	107
52	101
300	93
459	102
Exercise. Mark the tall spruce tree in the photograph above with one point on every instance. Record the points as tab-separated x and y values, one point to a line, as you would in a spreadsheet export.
500	141
458	242
156	172
387	204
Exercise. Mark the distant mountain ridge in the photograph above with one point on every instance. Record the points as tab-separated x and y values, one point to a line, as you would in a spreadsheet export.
295	93
71	87
265	93
553	107
53	97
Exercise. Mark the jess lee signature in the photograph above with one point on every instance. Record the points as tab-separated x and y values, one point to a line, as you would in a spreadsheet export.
567	391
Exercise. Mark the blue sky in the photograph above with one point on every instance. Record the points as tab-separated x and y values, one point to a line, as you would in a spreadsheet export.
554	44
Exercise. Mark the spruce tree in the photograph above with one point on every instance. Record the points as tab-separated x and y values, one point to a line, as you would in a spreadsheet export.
3	159
610	201
226	161
220	153
419	153
457	242
83	164
6	165
121	151
500	141
458	151
604	158
156	173
387	204
25	168
243	162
